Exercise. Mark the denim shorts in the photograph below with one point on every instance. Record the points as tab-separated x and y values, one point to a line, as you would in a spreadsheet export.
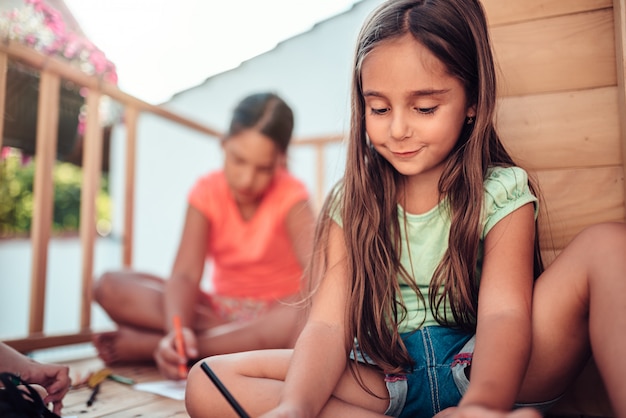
438	379
430	387
464	359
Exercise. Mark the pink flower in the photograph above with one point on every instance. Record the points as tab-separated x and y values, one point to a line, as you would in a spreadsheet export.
72	47
55	23
82	120
42	27
30	39
37	4
99	61
110	74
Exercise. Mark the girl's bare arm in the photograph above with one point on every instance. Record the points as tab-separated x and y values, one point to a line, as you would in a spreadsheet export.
503	335
181	291
319	357
182	286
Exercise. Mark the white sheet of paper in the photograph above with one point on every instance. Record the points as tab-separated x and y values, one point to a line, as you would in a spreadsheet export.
168	388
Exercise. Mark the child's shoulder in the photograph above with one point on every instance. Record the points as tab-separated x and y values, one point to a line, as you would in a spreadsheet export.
208	186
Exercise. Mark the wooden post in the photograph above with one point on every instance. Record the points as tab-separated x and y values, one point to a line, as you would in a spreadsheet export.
92	168
3	91
131	117
46	148
619	9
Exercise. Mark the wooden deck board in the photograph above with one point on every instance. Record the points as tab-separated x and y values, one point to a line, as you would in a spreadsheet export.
116	399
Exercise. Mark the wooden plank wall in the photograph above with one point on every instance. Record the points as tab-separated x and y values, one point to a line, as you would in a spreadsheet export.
562	107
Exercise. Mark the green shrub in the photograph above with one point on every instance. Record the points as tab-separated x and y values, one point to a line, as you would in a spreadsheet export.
17	200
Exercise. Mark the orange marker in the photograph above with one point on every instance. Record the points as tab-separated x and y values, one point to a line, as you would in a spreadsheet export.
180	347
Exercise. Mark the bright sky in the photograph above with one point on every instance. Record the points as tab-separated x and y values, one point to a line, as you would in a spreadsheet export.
161	47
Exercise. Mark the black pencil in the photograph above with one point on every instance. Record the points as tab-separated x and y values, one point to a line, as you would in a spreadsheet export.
94	393
220	386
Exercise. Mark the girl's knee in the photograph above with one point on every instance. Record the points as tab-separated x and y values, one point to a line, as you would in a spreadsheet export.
98	288
104	287
202	398
198	394
608	236
600	249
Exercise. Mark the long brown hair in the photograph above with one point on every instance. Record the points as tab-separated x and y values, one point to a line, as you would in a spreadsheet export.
455	31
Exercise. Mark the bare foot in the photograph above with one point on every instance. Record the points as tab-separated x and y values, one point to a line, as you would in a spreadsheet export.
126	345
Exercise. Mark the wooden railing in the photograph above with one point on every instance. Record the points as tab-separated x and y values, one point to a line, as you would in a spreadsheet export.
53	70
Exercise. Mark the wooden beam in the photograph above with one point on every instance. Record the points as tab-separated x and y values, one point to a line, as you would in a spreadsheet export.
39	341
505	12
317	140
92	169
47	125
619	11
131	118
67	71
573	129
3	91
573	199
538	56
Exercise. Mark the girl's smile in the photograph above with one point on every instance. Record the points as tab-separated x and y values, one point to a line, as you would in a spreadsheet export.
407	154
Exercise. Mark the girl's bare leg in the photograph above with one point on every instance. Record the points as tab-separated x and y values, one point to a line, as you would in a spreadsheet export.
256	380
132	299
579	307
135	302
277	328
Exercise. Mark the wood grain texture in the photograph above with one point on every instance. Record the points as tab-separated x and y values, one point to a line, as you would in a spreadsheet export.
500	12
619	13
43	189
562	130
564	53
577	198
116	399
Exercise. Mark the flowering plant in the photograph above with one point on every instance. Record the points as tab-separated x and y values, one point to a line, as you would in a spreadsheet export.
42	27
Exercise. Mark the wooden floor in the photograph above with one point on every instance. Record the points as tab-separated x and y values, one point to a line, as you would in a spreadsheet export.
123	401
117	399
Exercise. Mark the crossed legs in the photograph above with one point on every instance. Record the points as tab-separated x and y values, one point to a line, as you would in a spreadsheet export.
134	301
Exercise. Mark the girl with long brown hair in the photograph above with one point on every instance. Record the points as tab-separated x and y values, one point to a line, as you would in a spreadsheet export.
429	288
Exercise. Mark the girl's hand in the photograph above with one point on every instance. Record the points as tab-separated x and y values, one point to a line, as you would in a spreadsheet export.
474	411
53	378
168	360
